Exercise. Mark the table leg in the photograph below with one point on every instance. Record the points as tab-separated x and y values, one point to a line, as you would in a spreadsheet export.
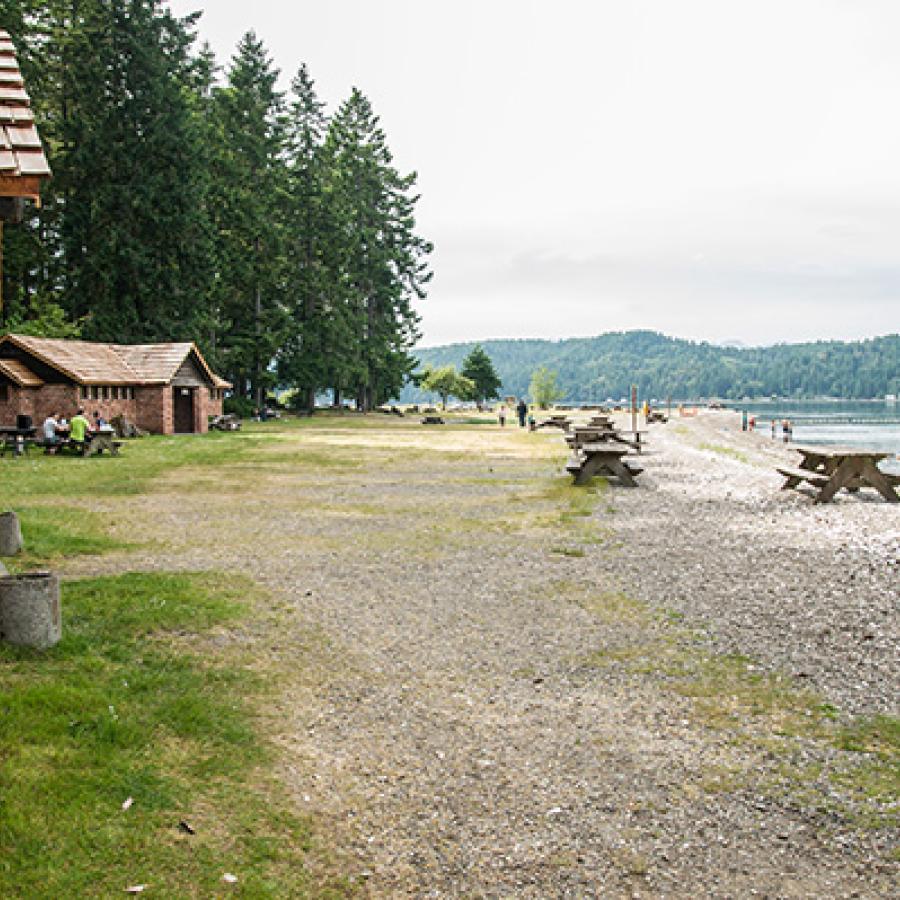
845	472
872	475
619	469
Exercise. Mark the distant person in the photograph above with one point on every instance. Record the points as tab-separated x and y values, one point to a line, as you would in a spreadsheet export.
532	425
521	412
774	428
501	415
79	427
51	433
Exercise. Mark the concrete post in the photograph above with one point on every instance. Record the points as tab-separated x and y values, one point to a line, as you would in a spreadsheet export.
30	613
10	534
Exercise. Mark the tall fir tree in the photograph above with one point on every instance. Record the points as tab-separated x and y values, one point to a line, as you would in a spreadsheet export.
384	262
249	218
132	228
304	359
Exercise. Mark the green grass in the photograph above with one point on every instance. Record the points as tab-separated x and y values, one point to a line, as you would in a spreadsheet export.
140	463
53	532
126	707
724	450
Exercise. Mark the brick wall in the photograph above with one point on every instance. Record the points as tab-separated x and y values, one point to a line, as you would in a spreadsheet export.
39	403
152	408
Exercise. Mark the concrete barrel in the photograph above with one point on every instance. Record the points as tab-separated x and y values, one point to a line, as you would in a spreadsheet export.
29	610
10	534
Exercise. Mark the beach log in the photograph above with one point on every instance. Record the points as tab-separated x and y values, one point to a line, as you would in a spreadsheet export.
30	613
10	534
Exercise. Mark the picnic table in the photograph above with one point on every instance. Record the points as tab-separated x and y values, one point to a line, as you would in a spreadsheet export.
830	469
602	458
562	422
586	434
16	439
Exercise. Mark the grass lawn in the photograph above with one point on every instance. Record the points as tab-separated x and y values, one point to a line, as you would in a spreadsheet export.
120	710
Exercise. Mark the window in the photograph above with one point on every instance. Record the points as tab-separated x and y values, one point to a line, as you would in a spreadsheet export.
4	392
85	392
95	392
131	393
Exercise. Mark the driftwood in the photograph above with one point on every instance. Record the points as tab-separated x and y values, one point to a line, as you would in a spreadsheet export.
29	610
10	534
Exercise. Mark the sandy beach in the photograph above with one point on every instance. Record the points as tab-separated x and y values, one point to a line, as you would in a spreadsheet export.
490	684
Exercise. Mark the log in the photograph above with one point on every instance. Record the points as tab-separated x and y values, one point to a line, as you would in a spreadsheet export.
30	611
10	534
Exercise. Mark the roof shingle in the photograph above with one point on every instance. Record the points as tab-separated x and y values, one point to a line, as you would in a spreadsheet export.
21	153
91	363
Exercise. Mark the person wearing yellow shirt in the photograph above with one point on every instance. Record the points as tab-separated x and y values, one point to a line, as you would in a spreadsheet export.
79	427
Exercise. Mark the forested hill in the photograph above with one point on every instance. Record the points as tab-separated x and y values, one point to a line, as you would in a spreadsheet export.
594	369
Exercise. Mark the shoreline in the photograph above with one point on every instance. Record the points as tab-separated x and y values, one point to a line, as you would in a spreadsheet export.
810	589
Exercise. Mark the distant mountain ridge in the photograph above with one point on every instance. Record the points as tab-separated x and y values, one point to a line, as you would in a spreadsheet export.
598	368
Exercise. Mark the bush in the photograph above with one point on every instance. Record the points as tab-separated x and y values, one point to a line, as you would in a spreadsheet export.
239	406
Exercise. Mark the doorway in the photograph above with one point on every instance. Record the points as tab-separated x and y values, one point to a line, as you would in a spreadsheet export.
183	407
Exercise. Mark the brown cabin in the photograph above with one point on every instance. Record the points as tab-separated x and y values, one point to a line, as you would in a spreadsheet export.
162	388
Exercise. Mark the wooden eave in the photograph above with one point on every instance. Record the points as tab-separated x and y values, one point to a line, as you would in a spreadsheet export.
23	165
20	374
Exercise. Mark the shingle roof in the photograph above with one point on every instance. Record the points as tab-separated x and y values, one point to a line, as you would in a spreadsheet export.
22	160
18	372
92	363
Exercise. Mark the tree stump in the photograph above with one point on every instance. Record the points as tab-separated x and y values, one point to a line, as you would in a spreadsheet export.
30	613
10	534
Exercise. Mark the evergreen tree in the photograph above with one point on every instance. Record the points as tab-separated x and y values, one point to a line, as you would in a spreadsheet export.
304	359
248	218
131	180
478	367
383	265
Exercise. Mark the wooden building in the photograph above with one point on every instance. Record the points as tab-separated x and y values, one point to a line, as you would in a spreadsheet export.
162	388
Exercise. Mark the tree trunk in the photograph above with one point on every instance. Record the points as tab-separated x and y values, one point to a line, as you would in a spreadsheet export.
309	400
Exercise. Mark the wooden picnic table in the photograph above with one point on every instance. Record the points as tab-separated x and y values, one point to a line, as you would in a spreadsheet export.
561	422
602	458
830	469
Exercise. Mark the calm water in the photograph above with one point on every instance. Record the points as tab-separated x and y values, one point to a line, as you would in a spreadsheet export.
873	435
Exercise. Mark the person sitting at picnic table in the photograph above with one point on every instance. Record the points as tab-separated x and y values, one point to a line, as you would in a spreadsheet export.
51	438
79	427
99	421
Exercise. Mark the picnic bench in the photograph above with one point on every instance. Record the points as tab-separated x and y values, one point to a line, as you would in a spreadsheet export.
561	422
831	469
432	420
586	434
654	416
602	458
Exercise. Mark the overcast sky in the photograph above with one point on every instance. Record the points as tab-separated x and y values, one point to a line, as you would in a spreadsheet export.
712	169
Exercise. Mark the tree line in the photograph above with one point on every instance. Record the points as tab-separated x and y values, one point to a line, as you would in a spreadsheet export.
189	203
604	367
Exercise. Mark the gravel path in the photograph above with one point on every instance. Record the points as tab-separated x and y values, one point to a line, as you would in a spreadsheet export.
813	590
467	734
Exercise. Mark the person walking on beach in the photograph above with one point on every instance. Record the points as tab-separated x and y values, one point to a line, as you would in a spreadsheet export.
521	412
501	415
